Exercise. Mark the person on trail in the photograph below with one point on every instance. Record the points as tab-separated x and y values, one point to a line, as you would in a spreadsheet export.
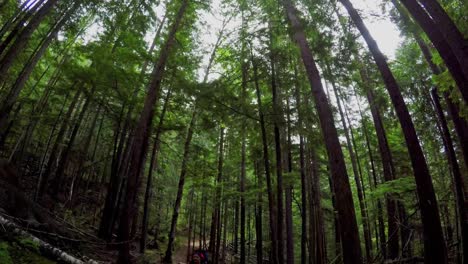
199	257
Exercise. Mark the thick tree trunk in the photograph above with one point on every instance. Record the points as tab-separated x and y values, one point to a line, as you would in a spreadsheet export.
438	38
341	186
140	139
434	245
456	40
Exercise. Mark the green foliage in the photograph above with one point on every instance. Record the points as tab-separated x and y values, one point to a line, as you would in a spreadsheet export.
397	189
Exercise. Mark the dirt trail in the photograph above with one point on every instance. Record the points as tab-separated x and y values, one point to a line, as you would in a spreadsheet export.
180	254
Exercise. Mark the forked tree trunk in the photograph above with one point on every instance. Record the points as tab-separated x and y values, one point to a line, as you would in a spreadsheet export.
344	201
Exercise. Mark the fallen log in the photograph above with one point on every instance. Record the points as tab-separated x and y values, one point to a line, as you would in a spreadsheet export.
43	246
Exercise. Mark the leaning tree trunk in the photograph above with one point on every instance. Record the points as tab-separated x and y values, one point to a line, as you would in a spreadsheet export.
436	35
140	139
356	172
387	164
23	38
434	245
20	82
349	231
457	176
452	34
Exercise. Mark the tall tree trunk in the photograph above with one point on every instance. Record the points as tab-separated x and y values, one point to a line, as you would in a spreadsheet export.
153	166
266	163
50	166
437	37
452	34
180	190
341	186
302	169
217	204
289	196
356	172
17	87
56	182
258	217
140	138
434	245
388	173
277	116
458	180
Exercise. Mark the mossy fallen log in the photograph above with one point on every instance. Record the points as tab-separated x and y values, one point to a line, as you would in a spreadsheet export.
44	247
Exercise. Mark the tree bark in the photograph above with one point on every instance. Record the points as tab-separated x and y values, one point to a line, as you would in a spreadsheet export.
140	138
434	245
153	167
341	186
23	38
459	184
436	35
266	162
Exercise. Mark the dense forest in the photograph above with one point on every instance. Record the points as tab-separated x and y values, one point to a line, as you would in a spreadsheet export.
241	131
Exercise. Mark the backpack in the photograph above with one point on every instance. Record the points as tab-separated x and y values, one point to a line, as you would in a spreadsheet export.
202	255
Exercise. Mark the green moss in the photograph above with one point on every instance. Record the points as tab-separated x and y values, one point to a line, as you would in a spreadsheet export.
5	253
23	251
29	244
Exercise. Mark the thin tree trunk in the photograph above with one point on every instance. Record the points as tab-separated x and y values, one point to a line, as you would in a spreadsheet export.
356	173
277	116
266	162
153	166
458	180
56	182
214	217
289	198
341	186
44	176
258	217
180	190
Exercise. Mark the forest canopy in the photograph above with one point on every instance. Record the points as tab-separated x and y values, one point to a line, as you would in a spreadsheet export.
234	131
